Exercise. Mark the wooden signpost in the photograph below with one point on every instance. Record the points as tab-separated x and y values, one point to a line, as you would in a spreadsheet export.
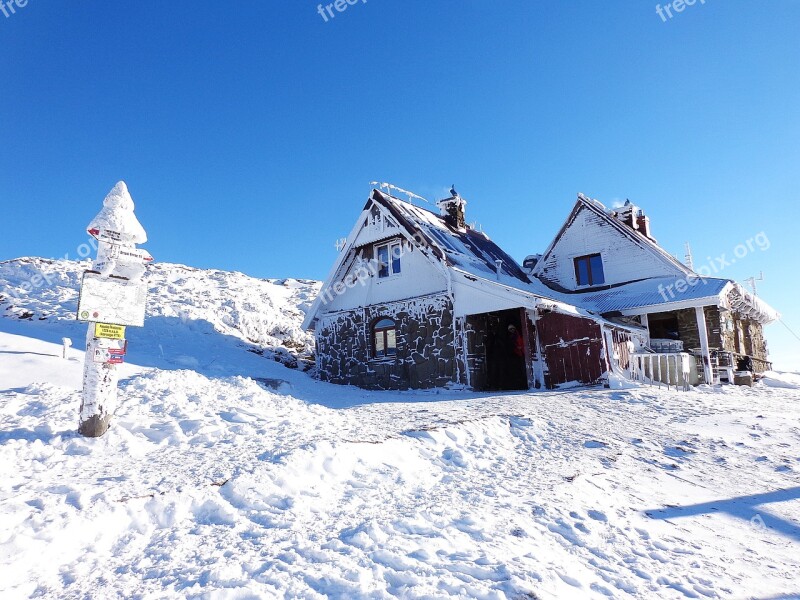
113	297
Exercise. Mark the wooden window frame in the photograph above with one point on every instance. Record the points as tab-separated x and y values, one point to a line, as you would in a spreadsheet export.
384	331
390	266
591	279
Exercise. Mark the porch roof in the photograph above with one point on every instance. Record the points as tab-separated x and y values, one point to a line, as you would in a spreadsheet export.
661	294
654	292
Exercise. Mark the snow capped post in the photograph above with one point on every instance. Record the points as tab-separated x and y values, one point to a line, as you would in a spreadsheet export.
113	296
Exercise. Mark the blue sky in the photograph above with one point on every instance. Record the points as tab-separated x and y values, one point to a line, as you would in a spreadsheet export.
248	132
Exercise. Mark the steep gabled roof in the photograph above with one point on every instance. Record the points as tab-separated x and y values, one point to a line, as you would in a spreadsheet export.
469	250
685	288
597	208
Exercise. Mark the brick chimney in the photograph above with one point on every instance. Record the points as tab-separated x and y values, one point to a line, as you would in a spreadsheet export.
452	210
634	217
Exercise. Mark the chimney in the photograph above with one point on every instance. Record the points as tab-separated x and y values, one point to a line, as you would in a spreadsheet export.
452	210
634	217
643	223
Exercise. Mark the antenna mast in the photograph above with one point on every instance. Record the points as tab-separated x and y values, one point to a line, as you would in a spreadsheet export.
689	259
752	282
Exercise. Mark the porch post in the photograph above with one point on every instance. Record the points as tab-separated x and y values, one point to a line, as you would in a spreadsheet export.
645	320
523	325
703	329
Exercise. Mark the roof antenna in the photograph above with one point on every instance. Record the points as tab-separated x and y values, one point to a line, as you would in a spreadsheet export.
689	259
752	282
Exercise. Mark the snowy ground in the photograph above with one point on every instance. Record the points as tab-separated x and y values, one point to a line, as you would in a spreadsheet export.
211	485
221	488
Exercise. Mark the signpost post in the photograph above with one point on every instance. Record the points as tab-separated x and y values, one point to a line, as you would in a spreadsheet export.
113	296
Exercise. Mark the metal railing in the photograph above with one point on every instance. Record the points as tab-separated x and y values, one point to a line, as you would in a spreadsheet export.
662	368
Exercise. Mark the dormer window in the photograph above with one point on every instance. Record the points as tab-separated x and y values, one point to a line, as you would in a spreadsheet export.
388	256
589	270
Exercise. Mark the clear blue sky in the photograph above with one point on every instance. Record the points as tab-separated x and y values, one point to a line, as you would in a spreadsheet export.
248	131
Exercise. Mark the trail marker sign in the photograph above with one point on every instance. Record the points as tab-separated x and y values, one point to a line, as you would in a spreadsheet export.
113	296
107	330
112	300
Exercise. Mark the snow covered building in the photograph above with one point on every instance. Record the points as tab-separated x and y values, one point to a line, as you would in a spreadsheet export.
418	300
608	262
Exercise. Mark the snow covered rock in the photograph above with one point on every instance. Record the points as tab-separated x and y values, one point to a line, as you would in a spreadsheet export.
183	302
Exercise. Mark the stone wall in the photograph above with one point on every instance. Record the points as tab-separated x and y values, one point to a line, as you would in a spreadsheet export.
726	327
425	356
723	327
687	328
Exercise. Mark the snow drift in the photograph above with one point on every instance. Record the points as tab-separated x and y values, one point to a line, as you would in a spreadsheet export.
264	313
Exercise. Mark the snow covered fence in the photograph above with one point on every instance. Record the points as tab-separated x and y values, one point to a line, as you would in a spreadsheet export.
716	265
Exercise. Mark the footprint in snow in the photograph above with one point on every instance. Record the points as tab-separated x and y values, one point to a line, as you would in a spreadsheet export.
594	444
570	580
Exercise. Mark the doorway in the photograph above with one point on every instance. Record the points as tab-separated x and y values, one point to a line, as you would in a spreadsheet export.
497	351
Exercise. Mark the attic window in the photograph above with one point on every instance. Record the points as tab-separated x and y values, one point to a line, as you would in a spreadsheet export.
589	270
384	337
388	256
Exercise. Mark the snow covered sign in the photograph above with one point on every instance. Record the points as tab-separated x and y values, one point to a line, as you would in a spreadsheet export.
110	351
113	295
122	260
112	300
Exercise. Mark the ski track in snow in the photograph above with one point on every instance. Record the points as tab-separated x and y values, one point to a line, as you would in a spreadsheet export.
210	485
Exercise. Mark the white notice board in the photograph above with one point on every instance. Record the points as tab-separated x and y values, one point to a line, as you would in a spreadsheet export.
112	300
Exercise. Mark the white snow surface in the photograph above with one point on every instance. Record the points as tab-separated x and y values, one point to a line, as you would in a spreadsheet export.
210	484
186	307
117	215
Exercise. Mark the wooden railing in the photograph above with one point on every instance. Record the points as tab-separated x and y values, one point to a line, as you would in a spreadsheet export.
662	368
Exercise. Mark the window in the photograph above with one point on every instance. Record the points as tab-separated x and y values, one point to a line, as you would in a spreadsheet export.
384	336
589	270
388	256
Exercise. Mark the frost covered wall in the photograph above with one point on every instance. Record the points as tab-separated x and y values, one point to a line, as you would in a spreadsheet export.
590	233
737	333
418	277
425	358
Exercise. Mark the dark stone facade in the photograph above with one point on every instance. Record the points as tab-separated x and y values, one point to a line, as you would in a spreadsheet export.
737	333
425	358
729	331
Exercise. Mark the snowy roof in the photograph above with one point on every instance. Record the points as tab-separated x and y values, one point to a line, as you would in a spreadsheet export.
599	209
665	294
469	250
474	254
648	292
